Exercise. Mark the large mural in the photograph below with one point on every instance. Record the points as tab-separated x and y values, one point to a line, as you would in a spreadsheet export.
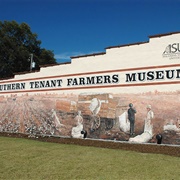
129	93
101	115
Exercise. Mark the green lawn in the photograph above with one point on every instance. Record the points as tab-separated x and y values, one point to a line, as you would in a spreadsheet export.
23	159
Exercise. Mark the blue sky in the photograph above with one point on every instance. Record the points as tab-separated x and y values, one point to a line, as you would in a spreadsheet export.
78	27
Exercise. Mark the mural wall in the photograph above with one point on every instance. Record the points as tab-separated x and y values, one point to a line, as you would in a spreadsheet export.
102	115
125	104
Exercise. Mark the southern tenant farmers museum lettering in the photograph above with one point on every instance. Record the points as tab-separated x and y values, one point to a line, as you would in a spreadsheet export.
119	78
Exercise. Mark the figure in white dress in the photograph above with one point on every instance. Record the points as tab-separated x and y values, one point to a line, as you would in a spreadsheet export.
77	130
148	128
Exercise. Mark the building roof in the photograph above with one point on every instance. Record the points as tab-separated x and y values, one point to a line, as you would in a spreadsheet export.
94	54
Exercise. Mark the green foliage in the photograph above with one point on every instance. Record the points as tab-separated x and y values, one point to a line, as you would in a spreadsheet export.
28	159
17	42
46	57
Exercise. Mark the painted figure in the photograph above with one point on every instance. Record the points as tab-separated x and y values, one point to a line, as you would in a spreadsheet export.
56	119
131	117
171	126
77	130
95	107
148	128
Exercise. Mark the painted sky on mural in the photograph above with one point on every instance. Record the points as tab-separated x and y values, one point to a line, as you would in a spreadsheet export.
78	27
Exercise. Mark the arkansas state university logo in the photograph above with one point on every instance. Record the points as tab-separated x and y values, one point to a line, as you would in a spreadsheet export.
172	51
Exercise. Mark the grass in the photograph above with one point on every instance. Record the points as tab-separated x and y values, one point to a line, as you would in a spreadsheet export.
23	159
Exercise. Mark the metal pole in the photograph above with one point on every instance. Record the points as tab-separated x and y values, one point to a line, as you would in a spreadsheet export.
31	60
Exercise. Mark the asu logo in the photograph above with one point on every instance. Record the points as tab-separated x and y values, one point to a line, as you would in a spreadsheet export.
172	51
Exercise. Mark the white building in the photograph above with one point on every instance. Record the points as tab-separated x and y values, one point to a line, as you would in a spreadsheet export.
142	73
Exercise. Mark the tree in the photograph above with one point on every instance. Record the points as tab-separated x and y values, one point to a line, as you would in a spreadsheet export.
17	42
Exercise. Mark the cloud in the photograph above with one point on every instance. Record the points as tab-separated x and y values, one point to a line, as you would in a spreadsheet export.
67	55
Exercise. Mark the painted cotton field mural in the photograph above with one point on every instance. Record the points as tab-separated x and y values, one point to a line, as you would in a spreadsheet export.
101	115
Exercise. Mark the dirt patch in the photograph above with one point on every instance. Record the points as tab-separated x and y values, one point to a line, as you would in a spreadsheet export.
171	150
